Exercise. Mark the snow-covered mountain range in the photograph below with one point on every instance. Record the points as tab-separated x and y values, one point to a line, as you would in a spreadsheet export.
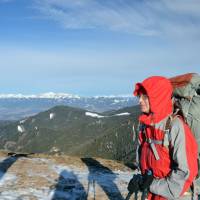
48	95
17	106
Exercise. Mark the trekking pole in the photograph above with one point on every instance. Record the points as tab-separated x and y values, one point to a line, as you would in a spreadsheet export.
128	196
94	189
144	194
143	197
134	133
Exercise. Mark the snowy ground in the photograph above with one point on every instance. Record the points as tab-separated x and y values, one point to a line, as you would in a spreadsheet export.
62	178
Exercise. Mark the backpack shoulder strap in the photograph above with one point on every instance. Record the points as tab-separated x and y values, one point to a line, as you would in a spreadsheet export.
167	130
168	123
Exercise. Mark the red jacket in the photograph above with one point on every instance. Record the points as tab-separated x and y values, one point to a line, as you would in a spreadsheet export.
175	166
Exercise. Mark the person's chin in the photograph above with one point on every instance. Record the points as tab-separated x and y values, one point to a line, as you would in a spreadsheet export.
144	111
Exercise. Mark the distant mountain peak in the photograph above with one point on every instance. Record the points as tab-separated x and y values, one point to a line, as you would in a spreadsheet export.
19	106
59	95
114	96
48	95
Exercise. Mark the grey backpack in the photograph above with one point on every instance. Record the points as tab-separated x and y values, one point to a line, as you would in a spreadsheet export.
186	92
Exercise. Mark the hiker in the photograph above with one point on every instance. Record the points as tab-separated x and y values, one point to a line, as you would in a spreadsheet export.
167	150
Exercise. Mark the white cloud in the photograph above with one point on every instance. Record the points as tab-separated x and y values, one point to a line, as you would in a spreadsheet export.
188	7
159	17
93	14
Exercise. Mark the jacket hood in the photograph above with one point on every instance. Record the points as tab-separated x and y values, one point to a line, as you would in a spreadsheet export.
159	91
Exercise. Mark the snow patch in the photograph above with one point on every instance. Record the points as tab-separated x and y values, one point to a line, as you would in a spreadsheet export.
20	128
52	115
123	114
116	101
22	121
24	194
6	178
95	115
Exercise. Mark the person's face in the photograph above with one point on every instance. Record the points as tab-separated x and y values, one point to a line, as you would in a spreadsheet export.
144	103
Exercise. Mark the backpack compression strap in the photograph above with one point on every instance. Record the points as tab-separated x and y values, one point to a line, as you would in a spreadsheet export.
151	142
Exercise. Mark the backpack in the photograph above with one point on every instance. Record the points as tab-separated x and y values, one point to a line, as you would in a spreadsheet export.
186	93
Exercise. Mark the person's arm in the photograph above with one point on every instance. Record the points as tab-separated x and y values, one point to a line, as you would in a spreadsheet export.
172	186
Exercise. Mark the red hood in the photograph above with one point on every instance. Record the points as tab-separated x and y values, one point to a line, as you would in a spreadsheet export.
159	91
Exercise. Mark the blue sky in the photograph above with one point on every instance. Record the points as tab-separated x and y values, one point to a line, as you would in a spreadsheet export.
95	47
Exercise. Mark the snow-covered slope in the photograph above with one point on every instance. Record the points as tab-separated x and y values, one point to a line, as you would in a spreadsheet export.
40	177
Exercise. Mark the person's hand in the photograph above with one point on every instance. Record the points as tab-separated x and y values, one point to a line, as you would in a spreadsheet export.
147	179
134	183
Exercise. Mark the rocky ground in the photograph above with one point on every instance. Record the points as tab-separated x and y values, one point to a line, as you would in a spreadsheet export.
51	177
